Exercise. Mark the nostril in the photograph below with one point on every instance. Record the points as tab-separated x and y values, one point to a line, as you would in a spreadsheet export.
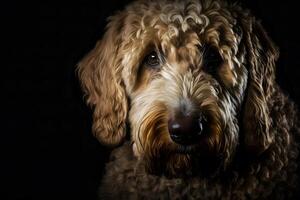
198	128
174	129
175	126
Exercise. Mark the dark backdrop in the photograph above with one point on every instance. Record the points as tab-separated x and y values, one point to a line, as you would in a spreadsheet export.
47	150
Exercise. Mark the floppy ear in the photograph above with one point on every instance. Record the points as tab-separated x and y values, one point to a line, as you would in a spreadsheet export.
261	57
100	76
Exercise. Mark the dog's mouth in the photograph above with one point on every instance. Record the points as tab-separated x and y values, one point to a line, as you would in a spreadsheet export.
199	145
186	149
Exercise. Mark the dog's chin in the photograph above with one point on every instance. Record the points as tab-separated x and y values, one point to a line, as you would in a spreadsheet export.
176	166
184	161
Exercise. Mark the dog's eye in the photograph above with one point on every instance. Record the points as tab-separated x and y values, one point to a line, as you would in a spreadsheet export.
211	60
152	60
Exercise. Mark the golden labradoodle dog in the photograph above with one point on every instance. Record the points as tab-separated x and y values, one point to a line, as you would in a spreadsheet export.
193	84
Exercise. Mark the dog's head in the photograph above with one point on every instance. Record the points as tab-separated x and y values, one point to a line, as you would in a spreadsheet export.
191	78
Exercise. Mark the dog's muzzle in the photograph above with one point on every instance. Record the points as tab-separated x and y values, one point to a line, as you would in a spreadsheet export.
187	129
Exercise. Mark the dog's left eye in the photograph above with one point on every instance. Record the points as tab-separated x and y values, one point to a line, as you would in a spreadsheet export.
211	60
152	60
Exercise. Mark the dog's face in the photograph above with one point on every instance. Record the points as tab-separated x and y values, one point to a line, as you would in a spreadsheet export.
191	78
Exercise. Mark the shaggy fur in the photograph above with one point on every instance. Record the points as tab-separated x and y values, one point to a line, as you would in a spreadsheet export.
160	59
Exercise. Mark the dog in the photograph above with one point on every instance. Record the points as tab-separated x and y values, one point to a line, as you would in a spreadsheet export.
193	85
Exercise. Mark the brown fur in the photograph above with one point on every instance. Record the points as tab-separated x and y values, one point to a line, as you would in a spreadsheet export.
250	151
107	97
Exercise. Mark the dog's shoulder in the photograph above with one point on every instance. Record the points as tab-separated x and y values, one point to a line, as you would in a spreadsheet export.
284	113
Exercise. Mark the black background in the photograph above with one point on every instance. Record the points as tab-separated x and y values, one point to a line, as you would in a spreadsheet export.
47	150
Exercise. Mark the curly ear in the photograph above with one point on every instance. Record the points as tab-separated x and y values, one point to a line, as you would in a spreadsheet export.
261	56
100	76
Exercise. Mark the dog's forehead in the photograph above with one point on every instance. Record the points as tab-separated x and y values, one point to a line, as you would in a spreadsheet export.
175	24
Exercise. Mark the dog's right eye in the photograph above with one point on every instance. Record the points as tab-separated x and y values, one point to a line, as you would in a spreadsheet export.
152	60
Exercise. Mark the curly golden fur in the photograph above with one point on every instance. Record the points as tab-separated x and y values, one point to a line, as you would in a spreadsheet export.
160	57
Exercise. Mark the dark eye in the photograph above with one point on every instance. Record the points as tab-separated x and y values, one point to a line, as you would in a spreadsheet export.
211	60
152	60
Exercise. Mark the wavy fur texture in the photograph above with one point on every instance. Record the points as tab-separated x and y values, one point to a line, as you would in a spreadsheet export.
250	149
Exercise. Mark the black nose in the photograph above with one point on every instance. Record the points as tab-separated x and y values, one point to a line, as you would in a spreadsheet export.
186	129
